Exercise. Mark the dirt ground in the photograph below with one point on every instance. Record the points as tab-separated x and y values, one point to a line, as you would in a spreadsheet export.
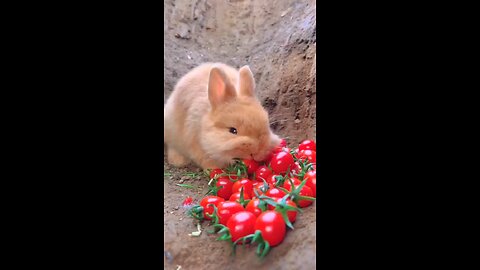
277	39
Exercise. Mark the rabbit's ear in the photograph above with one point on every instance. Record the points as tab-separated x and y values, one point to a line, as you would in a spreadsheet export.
220	90
247	82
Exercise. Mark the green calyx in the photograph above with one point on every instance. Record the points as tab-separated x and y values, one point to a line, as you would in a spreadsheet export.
282	207
295	192
280	180
196	212
306	166
214	216
224	231
242	201
263	246
238	168
212	186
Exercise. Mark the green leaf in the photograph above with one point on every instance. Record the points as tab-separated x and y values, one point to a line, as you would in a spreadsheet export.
185	185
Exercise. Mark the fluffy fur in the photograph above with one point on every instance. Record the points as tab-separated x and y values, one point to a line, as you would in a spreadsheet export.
199	113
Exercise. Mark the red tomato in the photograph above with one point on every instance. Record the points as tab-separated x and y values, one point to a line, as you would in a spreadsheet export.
207	202
272	181
215	172
309	155
247	185
241	224
187	202
275	193
292	215
262	173
311	177
296	168
236	197
272	227
259	187
226	190
232	177
252	207
282	162
251	164
277	149
226	210
280	147
307	145
287	184
305	191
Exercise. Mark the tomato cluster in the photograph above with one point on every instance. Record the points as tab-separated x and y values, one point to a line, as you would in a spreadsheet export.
255	202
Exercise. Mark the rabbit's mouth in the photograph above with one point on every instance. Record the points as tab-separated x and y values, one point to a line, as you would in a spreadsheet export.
253	157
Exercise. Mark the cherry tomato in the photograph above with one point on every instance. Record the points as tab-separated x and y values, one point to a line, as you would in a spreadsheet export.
272	181
232	177
271	226
309	155
187	202
311	177
307	145
251	164
282	146
262	173
292	215
287	184
227	209
305	191
279	149
226	190
259	187
236	197
252	207
296	168
241	224
275	193
207	202
247	185
282	162
215	172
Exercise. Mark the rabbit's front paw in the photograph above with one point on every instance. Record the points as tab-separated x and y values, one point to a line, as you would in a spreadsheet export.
176	159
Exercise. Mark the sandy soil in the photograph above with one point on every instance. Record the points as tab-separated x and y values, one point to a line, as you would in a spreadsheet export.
278	40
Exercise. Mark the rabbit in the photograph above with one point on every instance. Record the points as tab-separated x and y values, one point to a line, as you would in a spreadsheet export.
213	117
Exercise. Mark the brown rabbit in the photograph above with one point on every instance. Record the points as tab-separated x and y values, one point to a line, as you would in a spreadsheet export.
213	116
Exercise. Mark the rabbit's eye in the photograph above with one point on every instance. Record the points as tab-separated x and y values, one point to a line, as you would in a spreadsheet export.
233	130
